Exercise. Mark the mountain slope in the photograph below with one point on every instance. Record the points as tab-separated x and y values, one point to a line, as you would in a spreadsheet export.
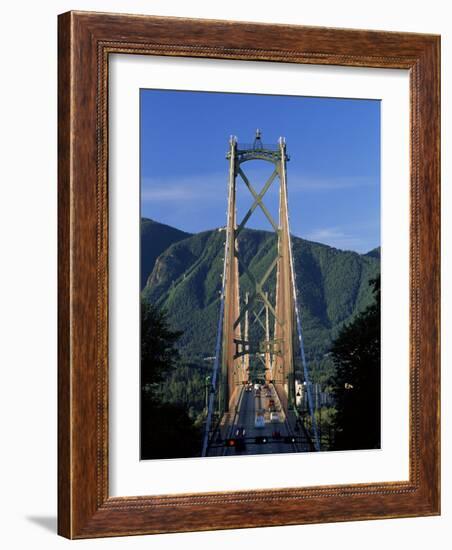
186	280
375	253
155	239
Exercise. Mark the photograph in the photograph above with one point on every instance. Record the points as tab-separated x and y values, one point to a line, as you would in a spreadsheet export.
259	274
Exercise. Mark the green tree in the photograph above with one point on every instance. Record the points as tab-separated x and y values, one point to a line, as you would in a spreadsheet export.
357	382
159	354
167	430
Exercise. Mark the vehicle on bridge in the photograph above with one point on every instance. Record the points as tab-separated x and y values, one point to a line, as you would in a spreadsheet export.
259	421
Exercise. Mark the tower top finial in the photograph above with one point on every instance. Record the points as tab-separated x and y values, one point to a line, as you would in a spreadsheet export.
258	140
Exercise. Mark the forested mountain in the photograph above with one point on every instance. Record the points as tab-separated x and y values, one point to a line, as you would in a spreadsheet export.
375	253
185	280
155	239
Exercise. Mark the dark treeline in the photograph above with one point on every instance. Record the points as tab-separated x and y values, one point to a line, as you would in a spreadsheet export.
357	381
167	431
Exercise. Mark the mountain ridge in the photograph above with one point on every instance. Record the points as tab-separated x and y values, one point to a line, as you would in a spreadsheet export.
155	238
185	280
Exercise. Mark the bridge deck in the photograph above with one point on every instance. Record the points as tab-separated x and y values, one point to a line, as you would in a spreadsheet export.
243	416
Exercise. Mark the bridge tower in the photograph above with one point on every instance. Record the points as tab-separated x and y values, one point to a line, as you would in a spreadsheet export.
285	299
276	346
232	369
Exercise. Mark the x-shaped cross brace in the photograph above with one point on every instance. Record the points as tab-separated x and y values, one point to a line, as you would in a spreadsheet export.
257	200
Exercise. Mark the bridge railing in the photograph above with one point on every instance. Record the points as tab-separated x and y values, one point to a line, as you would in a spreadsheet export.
261	147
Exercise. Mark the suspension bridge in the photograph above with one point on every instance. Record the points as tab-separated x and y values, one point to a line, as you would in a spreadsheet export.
251	407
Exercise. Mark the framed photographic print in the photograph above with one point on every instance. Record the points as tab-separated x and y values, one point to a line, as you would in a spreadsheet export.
248	274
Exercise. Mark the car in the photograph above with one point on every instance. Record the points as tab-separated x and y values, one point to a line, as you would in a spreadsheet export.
259	421
274	417
240	439
257	386
236	443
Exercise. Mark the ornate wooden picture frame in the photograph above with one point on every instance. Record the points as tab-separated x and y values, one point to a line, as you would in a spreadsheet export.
86	41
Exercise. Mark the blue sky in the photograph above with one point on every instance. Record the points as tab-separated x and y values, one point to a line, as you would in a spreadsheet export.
333	174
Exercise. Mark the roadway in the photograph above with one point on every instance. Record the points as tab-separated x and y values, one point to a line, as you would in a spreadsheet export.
249	405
